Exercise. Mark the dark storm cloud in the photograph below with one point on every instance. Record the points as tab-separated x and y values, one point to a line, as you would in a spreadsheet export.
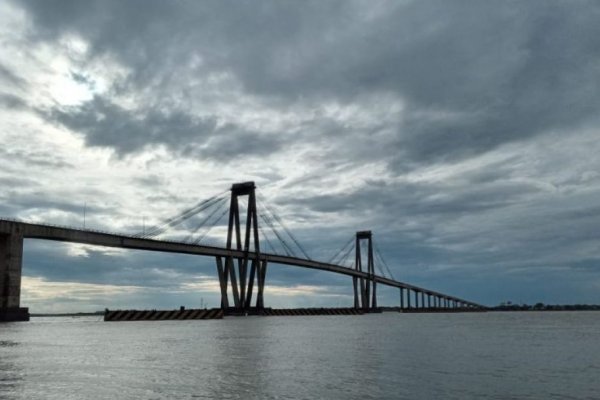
11	102
424	199
16	159
107	125
8	75
229	141
474	75
475	226
21	182
497	73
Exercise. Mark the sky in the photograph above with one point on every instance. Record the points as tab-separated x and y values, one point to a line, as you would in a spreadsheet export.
464	134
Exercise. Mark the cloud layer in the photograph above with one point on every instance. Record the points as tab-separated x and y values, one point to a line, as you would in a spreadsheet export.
464	134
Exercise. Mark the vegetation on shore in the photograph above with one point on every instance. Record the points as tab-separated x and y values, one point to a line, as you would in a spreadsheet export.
508	306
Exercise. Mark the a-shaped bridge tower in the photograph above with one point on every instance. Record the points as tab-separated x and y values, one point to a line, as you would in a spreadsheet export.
242	285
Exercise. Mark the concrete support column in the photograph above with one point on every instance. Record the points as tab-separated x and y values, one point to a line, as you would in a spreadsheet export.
401	298
11	259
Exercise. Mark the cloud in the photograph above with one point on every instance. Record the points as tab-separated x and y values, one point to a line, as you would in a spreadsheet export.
105	124
108	125
464	134
10	101
472	78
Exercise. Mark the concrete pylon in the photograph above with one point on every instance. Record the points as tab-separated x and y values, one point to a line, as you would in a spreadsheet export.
242	280
367	298
11	260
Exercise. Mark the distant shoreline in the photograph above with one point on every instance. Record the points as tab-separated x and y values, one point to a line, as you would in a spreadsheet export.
545	307
79	314
503	308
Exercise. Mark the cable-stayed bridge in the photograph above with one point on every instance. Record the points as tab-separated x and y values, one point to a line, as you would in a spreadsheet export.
256	237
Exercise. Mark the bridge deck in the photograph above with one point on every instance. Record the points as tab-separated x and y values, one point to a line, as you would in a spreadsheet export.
74	235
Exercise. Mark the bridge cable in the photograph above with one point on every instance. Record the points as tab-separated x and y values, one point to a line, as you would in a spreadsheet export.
269	219
280	222
158	230
286	248
202	224
381	272
172	221
266	238
378	252
220	206
335	256
389	271
181	217
378	265
345	256
215	223
292	236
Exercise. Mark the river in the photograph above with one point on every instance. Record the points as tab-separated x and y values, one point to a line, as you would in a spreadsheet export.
512	355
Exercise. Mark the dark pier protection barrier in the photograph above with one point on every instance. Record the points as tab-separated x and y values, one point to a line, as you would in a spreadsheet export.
162	315
310	311
11	257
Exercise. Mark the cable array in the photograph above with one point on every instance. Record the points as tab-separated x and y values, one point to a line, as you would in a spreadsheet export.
208	223
178	219
382	260
290	245
349	247
215	208
341	251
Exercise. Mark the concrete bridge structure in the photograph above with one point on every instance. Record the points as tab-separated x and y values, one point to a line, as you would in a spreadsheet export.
236	283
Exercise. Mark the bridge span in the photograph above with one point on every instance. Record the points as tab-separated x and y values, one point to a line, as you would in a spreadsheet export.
13	233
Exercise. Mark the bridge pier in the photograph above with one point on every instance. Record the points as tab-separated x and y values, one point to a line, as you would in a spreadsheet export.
402	298
416	299
11	260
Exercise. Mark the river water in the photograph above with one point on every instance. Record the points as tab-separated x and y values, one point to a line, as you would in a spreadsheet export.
551	355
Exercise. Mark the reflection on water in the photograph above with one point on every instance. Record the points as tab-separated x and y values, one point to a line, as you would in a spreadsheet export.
385	356
10	372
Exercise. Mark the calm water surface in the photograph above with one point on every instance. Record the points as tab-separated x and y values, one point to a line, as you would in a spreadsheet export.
388	356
